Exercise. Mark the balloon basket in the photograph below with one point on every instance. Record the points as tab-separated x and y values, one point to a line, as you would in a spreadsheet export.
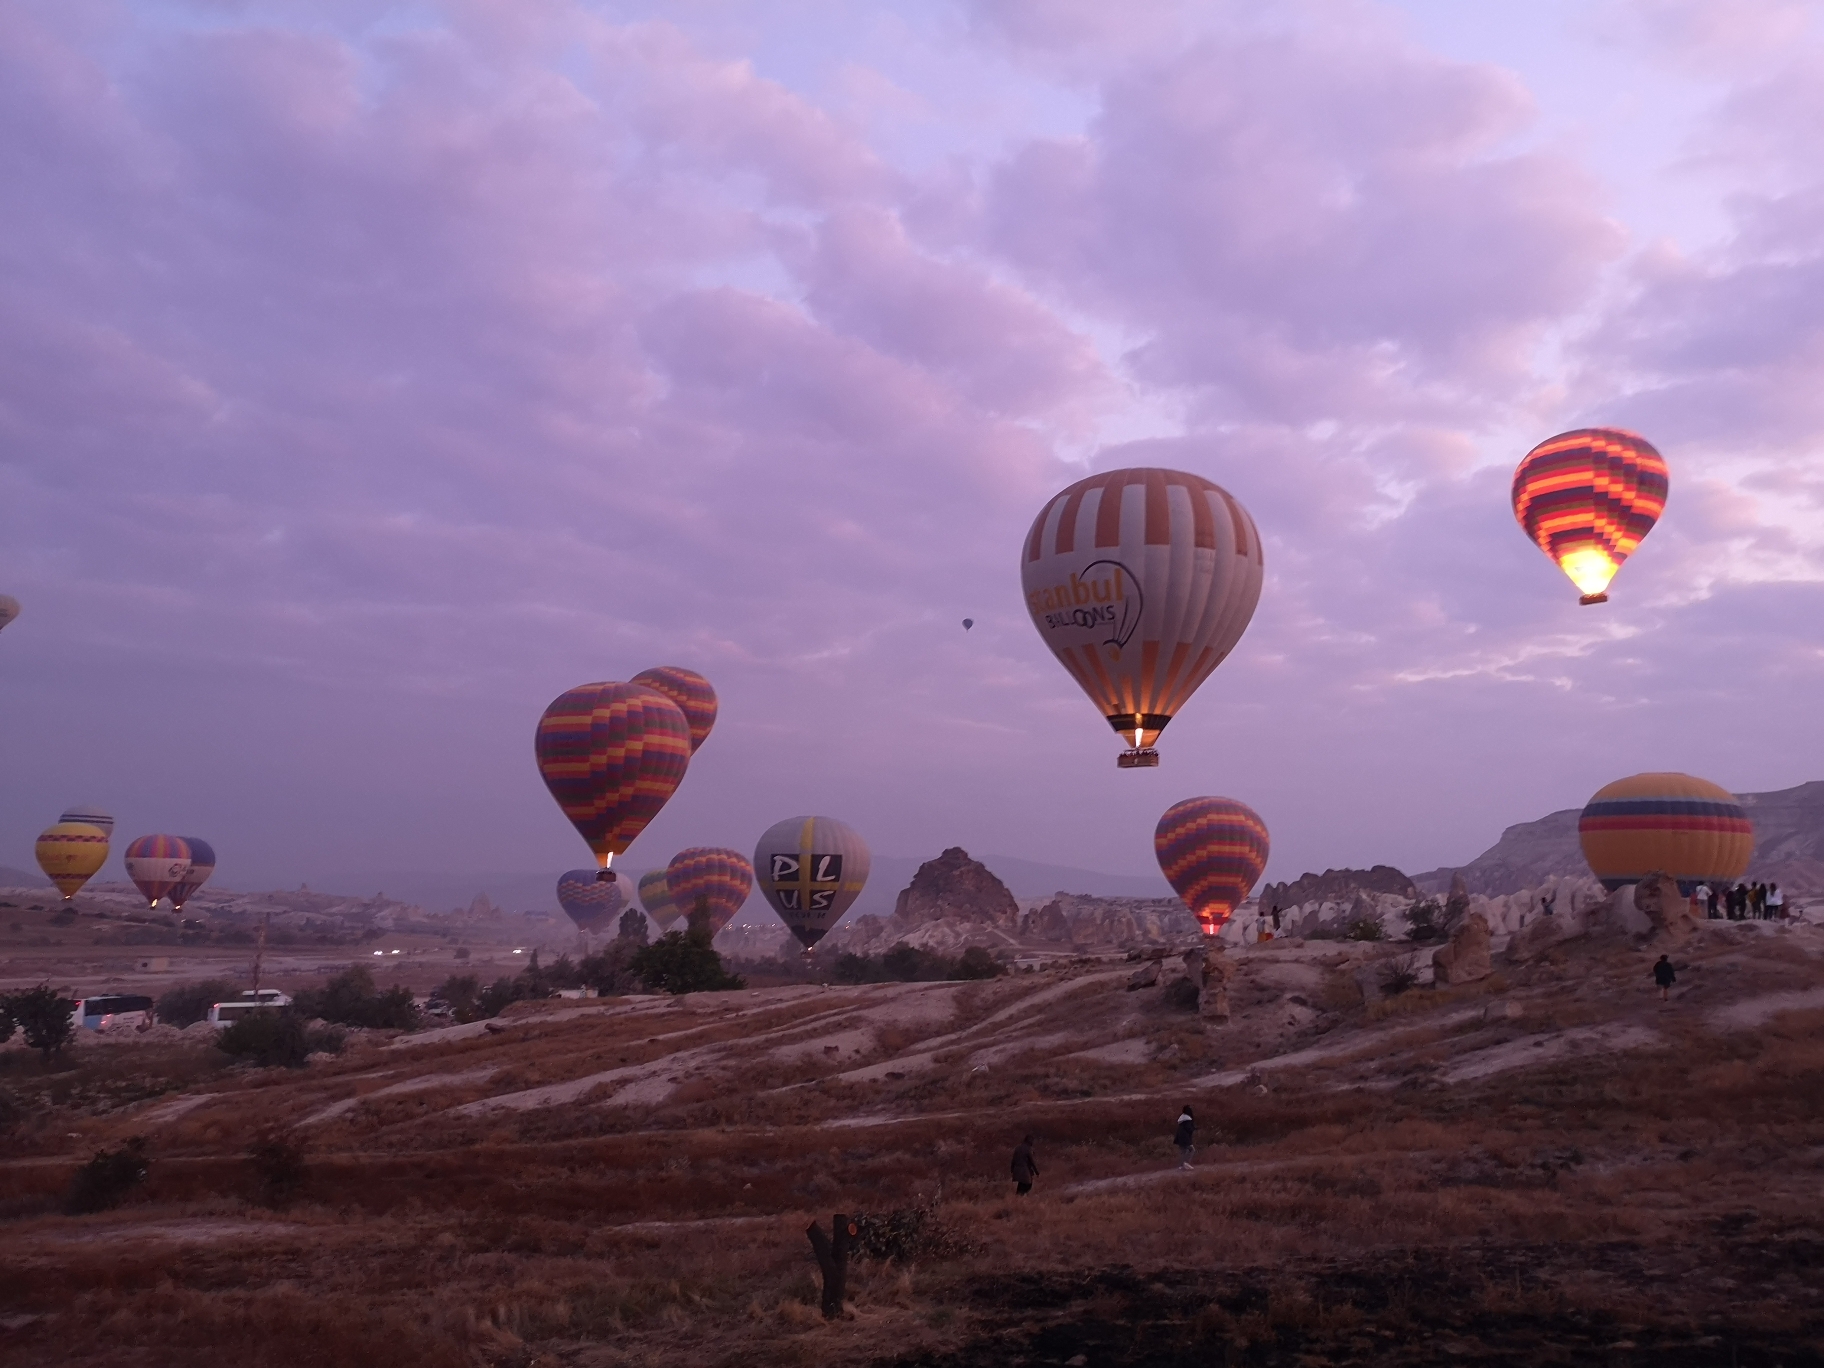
1588	599
1144	758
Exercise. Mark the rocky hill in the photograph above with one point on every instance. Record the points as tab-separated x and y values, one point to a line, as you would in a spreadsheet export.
1337	885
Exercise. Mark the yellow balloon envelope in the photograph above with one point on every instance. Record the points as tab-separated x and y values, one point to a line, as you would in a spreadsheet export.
1667	824
70	853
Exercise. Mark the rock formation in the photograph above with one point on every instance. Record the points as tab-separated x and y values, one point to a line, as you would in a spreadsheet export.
1210	969
1668	910
1456	904
1466	958
954	887
1337	886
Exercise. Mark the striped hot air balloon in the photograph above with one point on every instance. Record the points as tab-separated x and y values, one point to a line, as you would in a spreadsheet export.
712	880
88	812
70	854
612	755
1587	498
690	691
9	609
1141	582
202	865
592	898
1670	824
157	864
811	869
655	898
1212	851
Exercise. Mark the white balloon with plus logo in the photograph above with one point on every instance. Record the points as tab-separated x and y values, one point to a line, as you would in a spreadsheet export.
811	869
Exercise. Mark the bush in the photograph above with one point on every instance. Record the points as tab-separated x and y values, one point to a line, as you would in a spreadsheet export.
324	1040
1423	917
189	1003
1182	994
270	1038
1366	929
908	964
908	1235
42	1015
278	1167
104	1182
350	999
1400	974
683	962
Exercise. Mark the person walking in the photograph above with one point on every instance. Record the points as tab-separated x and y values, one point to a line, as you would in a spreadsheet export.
1665	976
1185	1137
1025	1169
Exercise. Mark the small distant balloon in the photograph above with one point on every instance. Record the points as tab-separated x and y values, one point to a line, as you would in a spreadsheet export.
592	898
70	853
655	899
90	815
9	609
968	623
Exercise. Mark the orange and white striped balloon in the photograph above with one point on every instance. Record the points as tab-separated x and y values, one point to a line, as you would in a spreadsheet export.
1141	582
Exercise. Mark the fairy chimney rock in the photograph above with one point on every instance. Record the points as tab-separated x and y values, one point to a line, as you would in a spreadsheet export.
954	887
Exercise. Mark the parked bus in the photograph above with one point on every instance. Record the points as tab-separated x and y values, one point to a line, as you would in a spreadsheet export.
111	1009
227	1013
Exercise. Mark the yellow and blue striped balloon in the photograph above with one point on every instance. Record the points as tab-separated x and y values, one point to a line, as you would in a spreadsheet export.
1668	823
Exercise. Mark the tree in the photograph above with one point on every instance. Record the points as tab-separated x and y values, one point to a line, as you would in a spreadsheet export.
42	1015
684	962
350	999
189	1003
270	1038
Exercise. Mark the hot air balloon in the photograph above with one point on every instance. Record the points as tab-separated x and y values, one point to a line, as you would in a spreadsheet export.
1587	498
690	691
1669	824
1141	582
70	853
9	609
968	623
202	865
655	898
811	869
711	879
89	813
592	898
157	864
612	754
1212	851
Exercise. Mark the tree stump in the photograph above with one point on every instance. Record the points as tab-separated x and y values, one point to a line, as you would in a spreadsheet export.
832	1253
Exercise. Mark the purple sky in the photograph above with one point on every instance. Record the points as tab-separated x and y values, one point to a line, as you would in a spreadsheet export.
370	374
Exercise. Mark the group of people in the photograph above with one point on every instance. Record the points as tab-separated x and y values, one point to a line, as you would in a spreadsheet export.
1744	902
1026	1168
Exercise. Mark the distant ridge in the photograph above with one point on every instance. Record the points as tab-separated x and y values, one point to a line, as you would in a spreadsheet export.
22	878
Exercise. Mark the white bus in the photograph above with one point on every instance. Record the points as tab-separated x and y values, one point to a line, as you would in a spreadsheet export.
227	1013
115	1009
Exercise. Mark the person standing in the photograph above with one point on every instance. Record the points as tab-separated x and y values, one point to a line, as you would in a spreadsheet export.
1702	896
1025	1168
1665	976
1185	1137
1548	902
1757	901
1776	903
1711	903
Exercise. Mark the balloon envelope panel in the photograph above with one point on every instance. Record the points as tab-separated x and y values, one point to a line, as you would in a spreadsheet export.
655	898
1212	851
1141	582
202	865
811	869
1587	498
9	609
70	854
713	878
1667	823
156	864
690	691
592	898
612	755
92	815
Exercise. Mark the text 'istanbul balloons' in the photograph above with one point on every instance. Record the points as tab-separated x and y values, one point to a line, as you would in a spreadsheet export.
710	878
690	691
89	813
70	853
655	898
592	898
612	754
811	869
157	864
1587	498
202	865
1212	851
1668	824
9	609
1141	582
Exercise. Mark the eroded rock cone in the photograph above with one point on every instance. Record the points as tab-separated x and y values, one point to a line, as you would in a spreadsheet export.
1456	905
1210	970
1466	958
1658	899
956	888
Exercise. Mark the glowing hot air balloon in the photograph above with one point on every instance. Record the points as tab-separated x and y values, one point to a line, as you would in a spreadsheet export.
690	691
655	898
9	609
89	813
612	754
157	864
70	853
1587	498
1212	851
1141	582
811	869
592	898
711	880
202	865
1669	824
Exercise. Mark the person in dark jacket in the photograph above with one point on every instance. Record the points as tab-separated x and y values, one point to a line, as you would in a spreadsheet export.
1024	1168
1185	1137
1665	976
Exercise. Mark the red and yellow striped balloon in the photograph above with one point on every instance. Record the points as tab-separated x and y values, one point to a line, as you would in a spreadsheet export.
612	755
711	879
1671	824
157	864
1212	851
1587	498
690	691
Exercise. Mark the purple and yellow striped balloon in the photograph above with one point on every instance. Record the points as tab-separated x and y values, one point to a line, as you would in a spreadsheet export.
157	864
716	879
690	691
1212	851
612	755
592	898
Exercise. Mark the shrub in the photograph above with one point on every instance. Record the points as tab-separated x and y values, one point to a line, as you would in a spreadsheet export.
324	1040
1366	929
462	952
977	963
269	1038
683	962
42	1015
104	1182
1400	974
1182	994
189	1003
350	999
1422	917
908	964
908	1235
278	1167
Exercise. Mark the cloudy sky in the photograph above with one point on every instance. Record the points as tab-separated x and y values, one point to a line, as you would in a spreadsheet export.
370	374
